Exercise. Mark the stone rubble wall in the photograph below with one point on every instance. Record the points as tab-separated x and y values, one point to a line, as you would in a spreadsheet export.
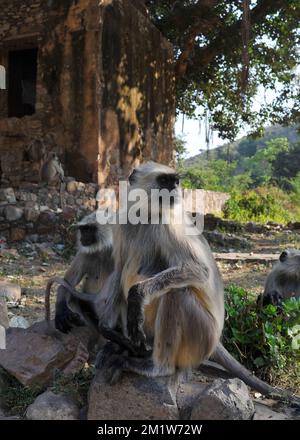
34	212
215	201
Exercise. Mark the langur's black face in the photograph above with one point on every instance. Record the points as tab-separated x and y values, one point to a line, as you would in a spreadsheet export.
88	235
291	259
168	181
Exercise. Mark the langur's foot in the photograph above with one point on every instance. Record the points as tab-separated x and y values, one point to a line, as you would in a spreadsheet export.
66	320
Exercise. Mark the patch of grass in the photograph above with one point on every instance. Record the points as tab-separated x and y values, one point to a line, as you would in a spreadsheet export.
15	396
265	340
75	386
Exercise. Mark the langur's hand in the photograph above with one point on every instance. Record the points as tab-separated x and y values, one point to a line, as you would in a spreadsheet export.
273	297
135	317
65	319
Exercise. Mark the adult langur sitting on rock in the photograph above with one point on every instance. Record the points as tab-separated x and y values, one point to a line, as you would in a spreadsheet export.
171	291
283	282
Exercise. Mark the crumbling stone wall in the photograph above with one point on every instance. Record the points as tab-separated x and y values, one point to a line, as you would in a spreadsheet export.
215	201
105	89
35	212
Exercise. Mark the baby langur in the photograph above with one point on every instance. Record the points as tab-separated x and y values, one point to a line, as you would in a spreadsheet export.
92	265
283	281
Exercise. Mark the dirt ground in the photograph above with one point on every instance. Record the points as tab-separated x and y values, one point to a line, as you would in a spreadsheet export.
31	270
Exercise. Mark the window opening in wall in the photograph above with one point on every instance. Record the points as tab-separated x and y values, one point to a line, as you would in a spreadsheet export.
22	73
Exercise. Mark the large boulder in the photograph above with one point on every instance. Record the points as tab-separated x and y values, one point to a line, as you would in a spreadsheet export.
262	412
50	406
32	355
224	400
133	398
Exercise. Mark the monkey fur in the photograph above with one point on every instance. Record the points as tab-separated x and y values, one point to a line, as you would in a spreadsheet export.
92	265
52	170
283	281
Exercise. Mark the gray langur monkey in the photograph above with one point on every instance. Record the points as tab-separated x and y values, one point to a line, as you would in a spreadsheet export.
92	265
171	292
52	170
52	173
283	281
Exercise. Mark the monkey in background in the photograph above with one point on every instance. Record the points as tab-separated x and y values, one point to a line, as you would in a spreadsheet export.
92	265
52	170
283	281
52	173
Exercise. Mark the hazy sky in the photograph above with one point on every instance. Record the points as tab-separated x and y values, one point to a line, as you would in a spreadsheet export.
195	138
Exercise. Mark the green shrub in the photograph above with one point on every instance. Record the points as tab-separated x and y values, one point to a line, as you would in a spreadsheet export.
266	341
261	205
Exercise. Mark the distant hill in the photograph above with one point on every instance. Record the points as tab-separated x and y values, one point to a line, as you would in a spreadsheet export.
246	146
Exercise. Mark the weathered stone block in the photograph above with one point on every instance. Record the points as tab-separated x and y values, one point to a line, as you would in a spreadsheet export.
32	356
50	406
17	234
133	398
13	213
224	400
72	186
262	412
31	214
7	195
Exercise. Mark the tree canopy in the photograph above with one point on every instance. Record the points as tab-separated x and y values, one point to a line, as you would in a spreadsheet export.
226	51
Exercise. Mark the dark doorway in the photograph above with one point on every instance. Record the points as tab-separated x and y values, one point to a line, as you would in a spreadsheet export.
22	72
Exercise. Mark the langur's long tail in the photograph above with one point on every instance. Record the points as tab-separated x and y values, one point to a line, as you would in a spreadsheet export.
105	331
82	296
224	358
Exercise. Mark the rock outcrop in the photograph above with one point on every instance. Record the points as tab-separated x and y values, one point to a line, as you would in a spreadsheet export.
32	356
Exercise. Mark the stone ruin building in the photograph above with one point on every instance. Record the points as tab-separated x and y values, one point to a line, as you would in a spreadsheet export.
91	80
